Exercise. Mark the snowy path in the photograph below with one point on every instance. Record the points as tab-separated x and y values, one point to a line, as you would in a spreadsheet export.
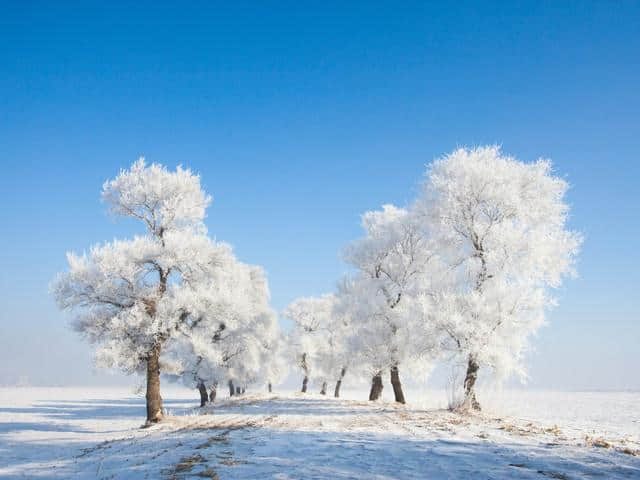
291	437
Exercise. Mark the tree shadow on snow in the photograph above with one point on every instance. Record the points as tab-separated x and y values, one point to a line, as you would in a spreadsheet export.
268	451
272	452
8	427
96	409
291	406
342	455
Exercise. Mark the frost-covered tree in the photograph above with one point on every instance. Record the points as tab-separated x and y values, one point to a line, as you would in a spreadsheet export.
235	336
390	260
499	229
274	363
134	298
218	311
327	352
311	317
333	355
367	334
250	359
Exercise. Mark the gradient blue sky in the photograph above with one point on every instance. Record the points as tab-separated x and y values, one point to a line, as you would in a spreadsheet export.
299	118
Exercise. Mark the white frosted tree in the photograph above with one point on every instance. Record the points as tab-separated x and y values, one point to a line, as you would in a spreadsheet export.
390	259
233	332
326	341
274	363
134	298
247	354
218	312
333	354
499	229
367	335
311	317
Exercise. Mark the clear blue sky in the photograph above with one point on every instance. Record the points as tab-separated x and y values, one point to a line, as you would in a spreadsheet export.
299	118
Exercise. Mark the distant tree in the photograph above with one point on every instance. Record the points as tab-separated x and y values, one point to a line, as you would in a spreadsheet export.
135	298
499	229
390	259
322	327
235	334
334	355
311	316
252	358
274	362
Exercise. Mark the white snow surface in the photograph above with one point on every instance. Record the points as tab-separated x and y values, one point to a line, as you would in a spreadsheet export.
80	433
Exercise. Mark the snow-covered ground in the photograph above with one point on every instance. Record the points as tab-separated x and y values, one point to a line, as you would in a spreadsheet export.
74	433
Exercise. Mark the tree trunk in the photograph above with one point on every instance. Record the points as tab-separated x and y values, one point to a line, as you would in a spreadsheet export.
243	390
214	392
470	401
336	392
269	387
397	386
305	368
204	398
154	400
238	391
376	387
323	390
232	390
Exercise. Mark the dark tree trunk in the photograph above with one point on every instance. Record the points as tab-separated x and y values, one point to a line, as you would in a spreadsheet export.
214	392
269	387
376	387
470	401
397	386
336	392
238	391
204	398
305	368
154	400
232	390
323	390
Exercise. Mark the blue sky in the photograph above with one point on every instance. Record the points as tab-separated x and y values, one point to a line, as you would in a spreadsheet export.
299	118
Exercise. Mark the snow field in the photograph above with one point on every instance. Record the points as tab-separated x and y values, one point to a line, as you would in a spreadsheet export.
74	433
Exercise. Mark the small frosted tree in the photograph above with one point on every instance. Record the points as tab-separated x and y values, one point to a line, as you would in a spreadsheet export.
311	316
217	311
390	258
274	362
257	345
233	332
367	338
326	342
334	354
133	298
499	228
